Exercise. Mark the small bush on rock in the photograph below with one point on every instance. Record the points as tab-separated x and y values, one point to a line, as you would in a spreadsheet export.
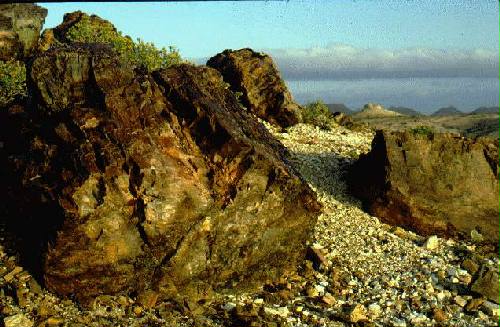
139	53
318	114
12	81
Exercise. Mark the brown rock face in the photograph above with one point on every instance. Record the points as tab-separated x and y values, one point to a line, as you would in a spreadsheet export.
20	26
263	91
435	184
150	182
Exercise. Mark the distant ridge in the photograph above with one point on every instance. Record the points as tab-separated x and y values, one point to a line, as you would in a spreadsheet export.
485	110
447	111
406	111
339	107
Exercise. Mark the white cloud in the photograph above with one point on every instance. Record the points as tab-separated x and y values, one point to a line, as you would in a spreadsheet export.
340	61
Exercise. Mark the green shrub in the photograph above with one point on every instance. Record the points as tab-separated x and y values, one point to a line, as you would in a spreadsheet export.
317	114
12	81
422	130
139	53
147	55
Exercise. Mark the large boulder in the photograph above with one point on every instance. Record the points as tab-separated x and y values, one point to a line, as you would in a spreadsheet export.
20	26
432	183
262	90
148	182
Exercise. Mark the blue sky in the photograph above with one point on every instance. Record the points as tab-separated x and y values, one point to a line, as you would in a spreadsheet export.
325	40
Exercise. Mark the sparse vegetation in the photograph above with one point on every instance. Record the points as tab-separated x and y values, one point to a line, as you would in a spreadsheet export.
317	114
12	81
139	53
422	130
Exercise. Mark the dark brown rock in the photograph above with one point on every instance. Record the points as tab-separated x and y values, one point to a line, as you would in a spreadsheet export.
487	284
256	77
470	265
149	182
317	257
20	26
434	184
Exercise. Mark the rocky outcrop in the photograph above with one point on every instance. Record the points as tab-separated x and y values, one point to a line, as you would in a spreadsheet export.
20	26
262	90
71	19
435	184
373	110
148	182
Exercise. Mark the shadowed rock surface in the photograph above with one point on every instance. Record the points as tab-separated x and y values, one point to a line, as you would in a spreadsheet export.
434	184
263	91
148	182
20	26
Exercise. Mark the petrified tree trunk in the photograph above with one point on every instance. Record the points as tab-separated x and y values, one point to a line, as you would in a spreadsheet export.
435	184
156	181
262	90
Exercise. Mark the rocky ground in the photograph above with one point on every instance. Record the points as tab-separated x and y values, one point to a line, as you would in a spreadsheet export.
359	272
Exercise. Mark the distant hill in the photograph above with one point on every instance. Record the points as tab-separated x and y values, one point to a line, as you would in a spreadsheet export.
447	111
405	111
485	110
339	107
373	110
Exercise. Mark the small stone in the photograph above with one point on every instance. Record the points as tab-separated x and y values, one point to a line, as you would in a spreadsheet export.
473	304
374	309
439	315
491	308
18	320
466	279
258	301
441	296
10	276
470	265
138	310
34	286
356	313
476	237
320	289
460	300
328	299
55	321
432	243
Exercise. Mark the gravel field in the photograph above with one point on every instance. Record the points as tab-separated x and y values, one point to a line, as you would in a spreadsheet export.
361	272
